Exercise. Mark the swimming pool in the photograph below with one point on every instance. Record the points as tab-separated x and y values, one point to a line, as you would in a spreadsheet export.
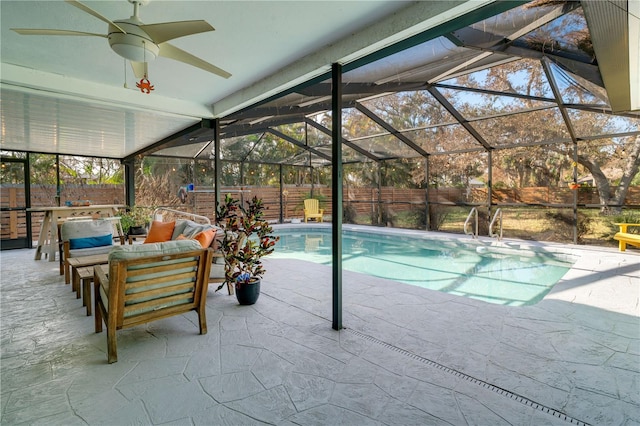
493	273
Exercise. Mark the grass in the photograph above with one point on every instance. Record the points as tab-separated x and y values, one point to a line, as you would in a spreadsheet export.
538	224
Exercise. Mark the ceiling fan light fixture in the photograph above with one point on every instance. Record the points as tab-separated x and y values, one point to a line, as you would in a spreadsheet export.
136	45
140	43
136	52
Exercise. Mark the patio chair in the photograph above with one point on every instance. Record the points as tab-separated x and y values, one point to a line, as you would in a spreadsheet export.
312	210
148	282
86	238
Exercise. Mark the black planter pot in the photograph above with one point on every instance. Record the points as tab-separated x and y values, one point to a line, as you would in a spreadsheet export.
137	230
247	294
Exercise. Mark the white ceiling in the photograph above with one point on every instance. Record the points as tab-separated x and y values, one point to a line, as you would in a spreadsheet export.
66	94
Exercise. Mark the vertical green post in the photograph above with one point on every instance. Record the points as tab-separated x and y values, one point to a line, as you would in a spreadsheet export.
281	194
336	189
489	184
379	218
427	207
129	182
575	193
216	163
58	187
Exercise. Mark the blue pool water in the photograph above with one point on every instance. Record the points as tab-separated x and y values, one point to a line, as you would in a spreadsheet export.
496	275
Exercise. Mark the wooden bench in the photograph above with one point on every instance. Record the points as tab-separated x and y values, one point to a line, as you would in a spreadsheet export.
623	237
148	282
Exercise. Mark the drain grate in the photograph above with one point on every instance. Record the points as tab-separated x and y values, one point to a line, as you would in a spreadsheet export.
486	385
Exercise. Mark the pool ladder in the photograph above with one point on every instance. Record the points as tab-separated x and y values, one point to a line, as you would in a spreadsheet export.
473	215
474	232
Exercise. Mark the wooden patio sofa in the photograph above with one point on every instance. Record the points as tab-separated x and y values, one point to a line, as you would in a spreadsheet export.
148	282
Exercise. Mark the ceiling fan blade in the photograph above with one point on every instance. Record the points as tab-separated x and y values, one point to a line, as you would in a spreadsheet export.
138	69
32	31
92	12
172	52
166	31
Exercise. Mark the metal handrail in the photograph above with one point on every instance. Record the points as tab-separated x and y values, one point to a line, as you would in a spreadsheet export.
497	216
193	215
466	223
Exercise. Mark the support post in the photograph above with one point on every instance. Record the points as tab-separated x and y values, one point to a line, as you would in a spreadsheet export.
489	184
336	188
281	194
130	183
379	167
58	187
574	137
575	193
216	164
426	194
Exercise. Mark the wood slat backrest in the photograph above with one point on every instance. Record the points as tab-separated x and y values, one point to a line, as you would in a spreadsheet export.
147	288
311	205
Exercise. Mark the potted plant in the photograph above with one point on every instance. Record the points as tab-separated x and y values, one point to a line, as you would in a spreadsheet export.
135	221
247	238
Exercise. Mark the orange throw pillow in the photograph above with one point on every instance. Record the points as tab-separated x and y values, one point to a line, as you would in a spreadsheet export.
205	237
160	232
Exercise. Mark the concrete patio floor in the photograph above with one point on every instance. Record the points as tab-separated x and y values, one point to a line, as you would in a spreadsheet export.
407	356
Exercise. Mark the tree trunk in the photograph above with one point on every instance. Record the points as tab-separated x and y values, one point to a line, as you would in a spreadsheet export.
602	183
630	170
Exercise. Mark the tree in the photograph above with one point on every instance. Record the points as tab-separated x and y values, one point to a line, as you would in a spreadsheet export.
545	164
629	171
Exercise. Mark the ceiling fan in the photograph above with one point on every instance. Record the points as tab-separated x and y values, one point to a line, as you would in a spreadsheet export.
139	42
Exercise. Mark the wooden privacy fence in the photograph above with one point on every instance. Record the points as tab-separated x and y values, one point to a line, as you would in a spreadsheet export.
13	224
361	200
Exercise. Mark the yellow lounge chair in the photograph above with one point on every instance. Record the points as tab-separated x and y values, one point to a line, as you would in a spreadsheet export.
312	210
624	237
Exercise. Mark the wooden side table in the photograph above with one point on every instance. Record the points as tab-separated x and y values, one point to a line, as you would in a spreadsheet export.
82	262
85	276
133	237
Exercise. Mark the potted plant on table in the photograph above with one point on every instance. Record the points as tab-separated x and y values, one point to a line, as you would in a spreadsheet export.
135	221
247	238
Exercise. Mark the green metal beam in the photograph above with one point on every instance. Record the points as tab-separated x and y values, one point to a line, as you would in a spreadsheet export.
344	141
336	191
389	128
298	143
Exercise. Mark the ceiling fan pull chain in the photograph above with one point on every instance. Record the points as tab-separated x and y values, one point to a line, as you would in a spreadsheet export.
125	74
145	85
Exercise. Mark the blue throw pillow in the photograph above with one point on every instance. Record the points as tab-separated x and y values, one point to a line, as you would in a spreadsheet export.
88	242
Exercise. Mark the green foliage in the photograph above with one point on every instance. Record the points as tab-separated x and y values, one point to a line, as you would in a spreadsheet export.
388	216
349	214
247	238
316	194
43	169
627	217
136	216
562	222
437	216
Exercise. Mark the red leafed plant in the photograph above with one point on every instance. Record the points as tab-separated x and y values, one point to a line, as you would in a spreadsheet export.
247	238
